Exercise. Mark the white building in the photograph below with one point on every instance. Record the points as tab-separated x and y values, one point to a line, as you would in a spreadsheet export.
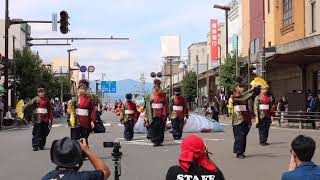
312	17
235	26
20	31
60	66
198	50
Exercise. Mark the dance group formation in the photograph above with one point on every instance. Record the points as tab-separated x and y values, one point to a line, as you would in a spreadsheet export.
194	161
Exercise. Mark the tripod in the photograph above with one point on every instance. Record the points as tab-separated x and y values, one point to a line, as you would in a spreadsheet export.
117	164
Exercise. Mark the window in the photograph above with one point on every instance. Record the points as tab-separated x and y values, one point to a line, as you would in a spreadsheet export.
257	45
313	17
287	13
268	6
252	47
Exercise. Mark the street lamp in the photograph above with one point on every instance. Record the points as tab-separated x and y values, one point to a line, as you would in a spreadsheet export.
69	68
226	9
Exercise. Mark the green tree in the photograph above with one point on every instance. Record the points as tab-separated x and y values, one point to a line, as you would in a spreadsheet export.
228	72
227	75
31	73
189	86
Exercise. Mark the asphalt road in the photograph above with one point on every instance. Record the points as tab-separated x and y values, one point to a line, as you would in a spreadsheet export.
142	161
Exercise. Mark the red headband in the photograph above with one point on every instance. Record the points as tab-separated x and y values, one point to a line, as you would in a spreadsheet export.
193	150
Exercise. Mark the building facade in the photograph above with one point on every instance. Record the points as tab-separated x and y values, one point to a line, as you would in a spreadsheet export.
312	17
19	32
295	63
235	26
198	57
245	28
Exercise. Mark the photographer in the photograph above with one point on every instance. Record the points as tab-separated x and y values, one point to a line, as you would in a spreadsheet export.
67	155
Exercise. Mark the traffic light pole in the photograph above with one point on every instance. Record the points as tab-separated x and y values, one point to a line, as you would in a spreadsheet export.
9	22
6	54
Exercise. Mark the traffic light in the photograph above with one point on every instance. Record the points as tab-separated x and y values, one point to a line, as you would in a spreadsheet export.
153	75
64	22
159	74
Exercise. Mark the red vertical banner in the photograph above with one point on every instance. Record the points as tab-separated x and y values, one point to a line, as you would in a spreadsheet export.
214	39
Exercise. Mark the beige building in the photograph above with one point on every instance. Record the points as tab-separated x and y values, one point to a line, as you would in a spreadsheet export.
60	66
198	57
312	17
20	31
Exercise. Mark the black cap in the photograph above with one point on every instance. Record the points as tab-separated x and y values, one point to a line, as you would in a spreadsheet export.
66	153
177	91
129	96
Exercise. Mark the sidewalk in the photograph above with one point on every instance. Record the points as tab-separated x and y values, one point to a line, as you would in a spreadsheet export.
19	124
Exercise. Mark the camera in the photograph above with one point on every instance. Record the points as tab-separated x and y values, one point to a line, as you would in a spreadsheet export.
115	145
116	154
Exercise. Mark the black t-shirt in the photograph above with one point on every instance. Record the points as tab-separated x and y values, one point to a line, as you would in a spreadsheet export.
282	104
74	175
195	173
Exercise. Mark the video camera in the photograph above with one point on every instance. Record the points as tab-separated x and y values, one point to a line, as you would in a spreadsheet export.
116	154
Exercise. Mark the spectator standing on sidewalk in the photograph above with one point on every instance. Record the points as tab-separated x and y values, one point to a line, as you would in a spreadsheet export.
282	106
301	165
312	107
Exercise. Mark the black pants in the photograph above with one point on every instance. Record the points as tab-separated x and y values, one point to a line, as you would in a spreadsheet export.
128	130
149	134
240	133
157	130
177	127
40	132
264	126
80	132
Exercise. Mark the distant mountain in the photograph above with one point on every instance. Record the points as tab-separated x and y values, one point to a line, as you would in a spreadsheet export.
125	86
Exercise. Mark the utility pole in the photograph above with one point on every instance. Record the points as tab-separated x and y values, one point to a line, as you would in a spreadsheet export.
263	60
69	66
237	58
249	66
14	74
226	9
170	90
61	90
197	59
6	54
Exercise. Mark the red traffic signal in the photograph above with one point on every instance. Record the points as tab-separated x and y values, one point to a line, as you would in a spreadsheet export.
64	22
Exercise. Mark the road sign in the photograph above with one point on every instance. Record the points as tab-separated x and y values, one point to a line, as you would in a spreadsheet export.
109	86
91	69
54	22
83	69
83	75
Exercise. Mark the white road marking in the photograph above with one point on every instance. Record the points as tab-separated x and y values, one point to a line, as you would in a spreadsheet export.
138	143
214	139
121	125
138	137
57	125
107	124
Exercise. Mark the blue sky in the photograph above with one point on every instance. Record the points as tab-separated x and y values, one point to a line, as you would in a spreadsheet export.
143	21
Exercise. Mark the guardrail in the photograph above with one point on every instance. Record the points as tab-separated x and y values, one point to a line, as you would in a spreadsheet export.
301	117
